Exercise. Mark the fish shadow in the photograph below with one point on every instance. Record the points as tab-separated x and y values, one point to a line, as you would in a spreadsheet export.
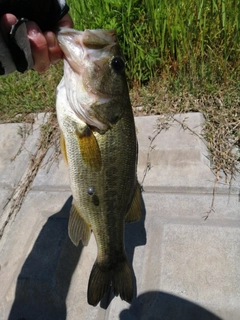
135	236
45	277
159	305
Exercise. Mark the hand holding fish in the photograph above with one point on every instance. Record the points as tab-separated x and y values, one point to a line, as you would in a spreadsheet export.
27	37
44	46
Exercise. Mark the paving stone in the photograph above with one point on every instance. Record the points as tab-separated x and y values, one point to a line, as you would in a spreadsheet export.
5	195
179	158
52	175
184	266
178	254
11	139
29	259
20	143
50	275
202	264
180	205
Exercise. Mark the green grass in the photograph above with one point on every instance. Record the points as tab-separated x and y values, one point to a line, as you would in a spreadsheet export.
21	94
180	37
181	56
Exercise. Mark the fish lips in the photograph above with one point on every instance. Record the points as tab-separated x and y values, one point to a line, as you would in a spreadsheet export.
93	39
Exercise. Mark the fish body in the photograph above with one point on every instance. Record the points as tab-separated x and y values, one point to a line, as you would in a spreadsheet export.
100	146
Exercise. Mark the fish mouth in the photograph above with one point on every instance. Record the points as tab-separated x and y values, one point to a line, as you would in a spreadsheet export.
87	45
81	48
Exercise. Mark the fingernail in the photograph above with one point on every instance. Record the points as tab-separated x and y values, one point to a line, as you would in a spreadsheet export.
55	61
32	29
51	40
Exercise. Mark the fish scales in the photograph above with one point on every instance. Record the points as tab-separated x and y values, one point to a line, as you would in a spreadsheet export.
108	183
100	146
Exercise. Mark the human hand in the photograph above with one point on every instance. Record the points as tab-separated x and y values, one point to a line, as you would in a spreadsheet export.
44	46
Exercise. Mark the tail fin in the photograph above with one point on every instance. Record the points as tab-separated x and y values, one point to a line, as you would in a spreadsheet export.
120	276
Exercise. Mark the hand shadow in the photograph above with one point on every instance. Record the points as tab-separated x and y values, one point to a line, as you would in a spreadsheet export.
158	305
45	277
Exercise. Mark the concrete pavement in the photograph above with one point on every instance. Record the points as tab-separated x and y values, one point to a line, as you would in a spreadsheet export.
185	267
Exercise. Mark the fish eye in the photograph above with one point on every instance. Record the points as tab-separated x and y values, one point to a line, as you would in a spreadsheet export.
117	64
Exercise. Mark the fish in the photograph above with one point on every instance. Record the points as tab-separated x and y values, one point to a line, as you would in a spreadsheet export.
99	144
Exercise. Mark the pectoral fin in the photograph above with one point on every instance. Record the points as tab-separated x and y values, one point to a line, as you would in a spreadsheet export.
78	229
63	147
89	147
135	211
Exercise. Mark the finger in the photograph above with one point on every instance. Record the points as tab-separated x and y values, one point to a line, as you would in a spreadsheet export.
7	64
66	21
39	47
6	23
54	51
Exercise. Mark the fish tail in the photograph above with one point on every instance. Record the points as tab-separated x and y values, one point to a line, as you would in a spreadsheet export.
122	282
101	278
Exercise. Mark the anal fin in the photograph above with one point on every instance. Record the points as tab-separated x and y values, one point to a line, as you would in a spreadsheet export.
78	229
89	147
135	211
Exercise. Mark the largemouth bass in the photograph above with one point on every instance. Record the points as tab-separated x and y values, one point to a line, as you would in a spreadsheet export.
100	146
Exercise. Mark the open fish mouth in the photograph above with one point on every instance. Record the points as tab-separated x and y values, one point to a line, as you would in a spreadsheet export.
82	49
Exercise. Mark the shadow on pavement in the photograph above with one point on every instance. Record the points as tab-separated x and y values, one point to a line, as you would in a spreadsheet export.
44	280
158	305
135	236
